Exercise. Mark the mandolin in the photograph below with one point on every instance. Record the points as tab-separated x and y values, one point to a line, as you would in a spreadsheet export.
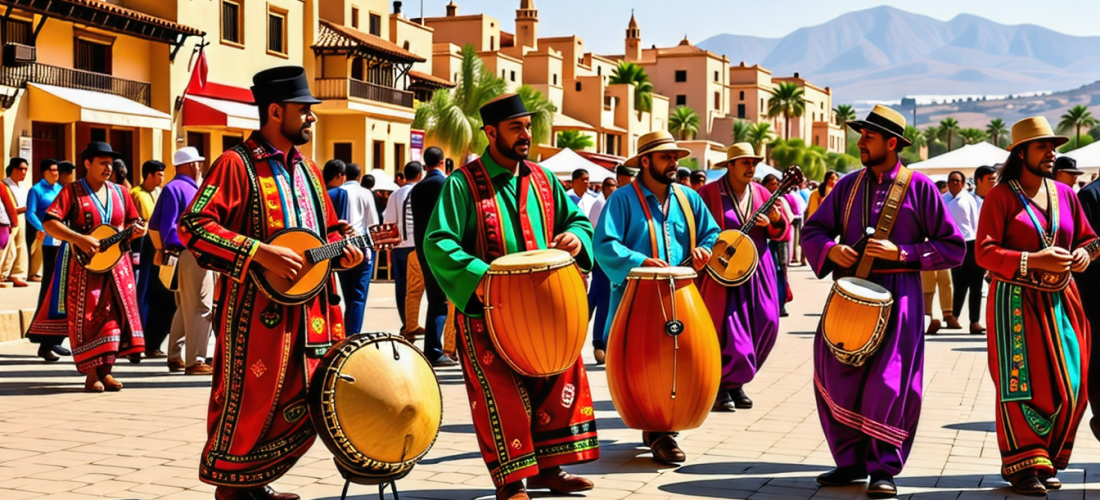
111	248
317	257
734	259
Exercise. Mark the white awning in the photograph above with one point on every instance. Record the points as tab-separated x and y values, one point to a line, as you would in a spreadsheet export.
566	161
62	104
204	111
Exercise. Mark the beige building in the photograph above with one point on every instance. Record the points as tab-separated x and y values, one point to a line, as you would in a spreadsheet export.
750	88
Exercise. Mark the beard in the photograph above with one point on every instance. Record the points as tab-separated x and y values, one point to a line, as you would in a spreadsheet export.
1039	172
512	151
666	178
299	136
872	160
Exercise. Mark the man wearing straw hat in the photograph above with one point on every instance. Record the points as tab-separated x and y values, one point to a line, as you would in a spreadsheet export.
747	316
1031	234
623	241
891	223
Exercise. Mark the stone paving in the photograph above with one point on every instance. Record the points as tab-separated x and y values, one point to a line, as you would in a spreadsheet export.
57	442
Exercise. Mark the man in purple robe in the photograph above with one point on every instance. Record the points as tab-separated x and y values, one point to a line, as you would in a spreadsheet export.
869	413
747	316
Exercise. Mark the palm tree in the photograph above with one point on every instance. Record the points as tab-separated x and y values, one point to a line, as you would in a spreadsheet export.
452	117
759	134
844	114
915	137
972	135
931	135
684	123
575	140
741	131
542	121
787	100
996	130
1077	117
632	74
949	127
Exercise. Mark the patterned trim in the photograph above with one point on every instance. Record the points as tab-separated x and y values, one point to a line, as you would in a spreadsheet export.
877	430
499	440
570	448
1028	463
1038	423
1093	248
1015	378
500	471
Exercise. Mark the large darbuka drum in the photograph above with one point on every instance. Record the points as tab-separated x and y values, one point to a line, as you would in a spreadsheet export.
855	319
377	406
664	363
537	311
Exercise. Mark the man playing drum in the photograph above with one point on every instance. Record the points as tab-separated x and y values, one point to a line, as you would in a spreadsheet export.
870	412
623	240
747	316
499	204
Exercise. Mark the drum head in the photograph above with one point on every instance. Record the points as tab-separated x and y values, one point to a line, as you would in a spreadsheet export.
536	259
651	273
864	289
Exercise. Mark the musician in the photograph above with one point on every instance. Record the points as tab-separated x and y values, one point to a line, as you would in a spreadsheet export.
746	317
870	413
623	240
1031	234
259	423
526	427
101	311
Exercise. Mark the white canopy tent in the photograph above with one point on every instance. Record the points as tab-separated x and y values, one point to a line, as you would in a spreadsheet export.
383	181
1087	157
566	161
965	159
762	171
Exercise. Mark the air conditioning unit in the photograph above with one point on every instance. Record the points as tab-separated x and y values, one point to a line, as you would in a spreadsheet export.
17	54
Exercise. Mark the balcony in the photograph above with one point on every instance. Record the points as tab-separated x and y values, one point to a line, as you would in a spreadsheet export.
344	88
19	77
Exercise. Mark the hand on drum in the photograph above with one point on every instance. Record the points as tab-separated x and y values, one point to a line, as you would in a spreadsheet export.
882	249
651	262
1081	260
1053	259
699	258
567	242
843	255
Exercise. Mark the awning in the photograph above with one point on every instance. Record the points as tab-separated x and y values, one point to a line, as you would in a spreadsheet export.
566	122
60	104
207	112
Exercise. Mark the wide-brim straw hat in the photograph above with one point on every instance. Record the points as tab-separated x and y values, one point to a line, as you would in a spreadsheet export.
660	141
1034	129
885	121
738	151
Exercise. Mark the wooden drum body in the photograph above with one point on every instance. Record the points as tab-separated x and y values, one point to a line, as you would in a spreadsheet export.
662	382
376	404
854	320
537	311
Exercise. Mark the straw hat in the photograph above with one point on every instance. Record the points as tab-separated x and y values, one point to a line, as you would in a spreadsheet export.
1034	129
655	142
739	150
885	121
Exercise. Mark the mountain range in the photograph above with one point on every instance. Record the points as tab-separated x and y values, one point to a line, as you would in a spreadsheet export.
885	53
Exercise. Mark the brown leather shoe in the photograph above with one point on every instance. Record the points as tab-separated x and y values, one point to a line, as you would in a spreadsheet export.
1030	486
199	369
260	493
19	283
1051	482
512	491
977	328
557	480
175	366
664	447
952	322
600	355
933	327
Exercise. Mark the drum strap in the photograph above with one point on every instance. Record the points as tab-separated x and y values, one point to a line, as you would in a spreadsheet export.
889	214
491	240
685	206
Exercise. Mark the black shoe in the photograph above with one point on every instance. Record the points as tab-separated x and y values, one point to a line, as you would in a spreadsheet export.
444	361
61	351
740	399
842	476
723	403
135	359
46	353
882	486
783	313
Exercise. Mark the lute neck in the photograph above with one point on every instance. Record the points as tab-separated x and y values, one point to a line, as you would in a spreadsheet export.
750	221
116	238
334	250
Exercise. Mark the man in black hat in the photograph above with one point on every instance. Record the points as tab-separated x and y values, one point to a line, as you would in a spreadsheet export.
266	351
527	427
1066	171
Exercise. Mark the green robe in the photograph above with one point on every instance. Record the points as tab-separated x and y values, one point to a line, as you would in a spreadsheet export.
451	241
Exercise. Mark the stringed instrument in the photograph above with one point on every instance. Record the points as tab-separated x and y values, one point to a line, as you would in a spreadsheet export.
317	257
111	248
734	258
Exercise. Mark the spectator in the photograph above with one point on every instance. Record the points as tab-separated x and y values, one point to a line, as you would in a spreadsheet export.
13	262
335	175
122	174
683	176
39	199
34	234
424	197
698	179
156	302
408	283
362	214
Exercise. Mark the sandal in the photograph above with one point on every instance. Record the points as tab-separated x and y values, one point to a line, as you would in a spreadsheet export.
92	384
111	384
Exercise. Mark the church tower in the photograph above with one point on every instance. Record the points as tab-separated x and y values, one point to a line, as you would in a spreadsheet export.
527	25
633	40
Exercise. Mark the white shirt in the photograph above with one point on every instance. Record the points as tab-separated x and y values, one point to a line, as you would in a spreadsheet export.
586	201
596	211
361	212
18	191
399	211
964	209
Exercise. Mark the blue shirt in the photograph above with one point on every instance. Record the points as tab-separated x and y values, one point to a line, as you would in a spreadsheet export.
173	201
621	241
39	199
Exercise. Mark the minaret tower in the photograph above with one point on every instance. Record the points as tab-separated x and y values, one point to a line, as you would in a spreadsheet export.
527	25
633	40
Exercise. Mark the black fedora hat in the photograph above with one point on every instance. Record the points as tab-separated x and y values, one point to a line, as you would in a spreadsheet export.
282	84
885	121
96	149
503	108
1067	165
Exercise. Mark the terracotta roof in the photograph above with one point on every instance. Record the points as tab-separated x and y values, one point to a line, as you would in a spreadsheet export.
430	79
68	10
335	36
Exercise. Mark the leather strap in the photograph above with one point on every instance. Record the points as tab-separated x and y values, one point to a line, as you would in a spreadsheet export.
688	213
648	219
888	217
685	206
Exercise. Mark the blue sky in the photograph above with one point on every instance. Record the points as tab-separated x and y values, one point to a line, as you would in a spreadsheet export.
601	23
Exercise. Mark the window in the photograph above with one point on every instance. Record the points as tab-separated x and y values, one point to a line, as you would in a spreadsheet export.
599	70
578	86
357	69
513	76
229	141
716	77
17	31
342	151
681	100
503	74
492	43
92	56
717	100
232	22
379	154
742	98
355	17
681	75
276	32
376	25
198	140
398	157
740	110
555	78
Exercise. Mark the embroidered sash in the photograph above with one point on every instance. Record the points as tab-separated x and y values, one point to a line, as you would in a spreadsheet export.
685	207
491	241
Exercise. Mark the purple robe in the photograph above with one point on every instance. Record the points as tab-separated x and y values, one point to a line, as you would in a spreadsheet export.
870	413
749	322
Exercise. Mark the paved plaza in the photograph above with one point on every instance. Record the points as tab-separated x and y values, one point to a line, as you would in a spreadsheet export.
57	442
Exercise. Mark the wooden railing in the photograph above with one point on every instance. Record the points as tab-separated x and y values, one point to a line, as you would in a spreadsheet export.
18	77
343	88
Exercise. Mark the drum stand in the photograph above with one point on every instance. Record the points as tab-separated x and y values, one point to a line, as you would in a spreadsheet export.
381	490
